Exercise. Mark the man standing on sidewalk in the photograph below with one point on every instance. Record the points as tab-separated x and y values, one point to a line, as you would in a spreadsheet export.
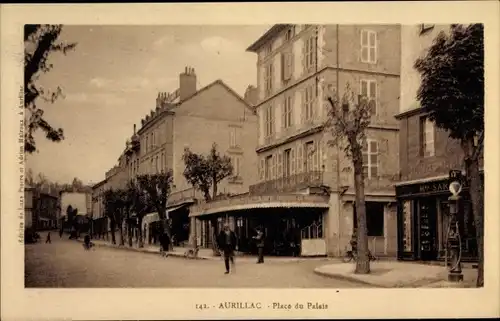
227	244
260	245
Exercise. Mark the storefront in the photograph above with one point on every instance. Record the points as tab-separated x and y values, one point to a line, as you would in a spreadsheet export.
423	221
289	222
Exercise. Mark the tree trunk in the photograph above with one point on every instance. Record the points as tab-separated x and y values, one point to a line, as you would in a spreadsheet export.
113	228
130	232
362	263
476	196
122	236
214	189
215	248
141	241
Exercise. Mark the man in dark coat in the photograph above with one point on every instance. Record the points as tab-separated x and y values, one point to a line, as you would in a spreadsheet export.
259	238
226	243
164	244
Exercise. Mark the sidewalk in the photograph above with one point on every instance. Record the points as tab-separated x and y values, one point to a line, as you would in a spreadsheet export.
398	274
203	253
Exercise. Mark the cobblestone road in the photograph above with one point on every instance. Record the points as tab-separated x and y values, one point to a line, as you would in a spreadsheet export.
65	263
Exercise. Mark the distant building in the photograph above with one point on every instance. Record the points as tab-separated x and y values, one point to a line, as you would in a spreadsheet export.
426	156
41	209
100	220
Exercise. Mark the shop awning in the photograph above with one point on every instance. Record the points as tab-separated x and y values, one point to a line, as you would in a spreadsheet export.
154	217
246	203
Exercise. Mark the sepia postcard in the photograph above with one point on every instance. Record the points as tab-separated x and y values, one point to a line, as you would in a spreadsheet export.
253	160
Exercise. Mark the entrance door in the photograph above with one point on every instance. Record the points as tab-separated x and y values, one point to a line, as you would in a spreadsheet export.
427	230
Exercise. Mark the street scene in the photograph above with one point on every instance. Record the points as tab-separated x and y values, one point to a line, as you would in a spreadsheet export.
265	156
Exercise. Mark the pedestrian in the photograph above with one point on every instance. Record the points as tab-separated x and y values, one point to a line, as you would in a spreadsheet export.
226	243
48	239
164	244
60	233
259	238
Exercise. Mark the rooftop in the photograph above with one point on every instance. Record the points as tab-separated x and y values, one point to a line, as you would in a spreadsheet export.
266	36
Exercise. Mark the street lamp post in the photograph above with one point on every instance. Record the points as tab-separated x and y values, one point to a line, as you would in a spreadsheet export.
454	243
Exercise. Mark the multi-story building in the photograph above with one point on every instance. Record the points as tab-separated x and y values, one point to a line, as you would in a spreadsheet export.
427	155
306	188
193	118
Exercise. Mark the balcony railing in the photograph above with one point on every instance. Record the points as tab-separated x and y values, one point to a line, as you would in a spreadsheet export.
292	183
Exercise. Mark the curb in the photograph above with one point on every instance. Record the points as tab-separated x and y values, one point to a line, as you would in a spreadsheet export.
417	284
346	278
125	248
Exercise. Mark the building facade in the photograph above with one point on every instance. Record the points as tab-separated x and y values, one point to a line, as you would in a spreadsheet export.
305	187
427	155
193	118
41	209
99	218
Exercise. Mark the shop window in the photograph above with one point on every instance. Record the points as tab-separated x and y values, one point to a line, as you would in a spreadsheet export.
374	218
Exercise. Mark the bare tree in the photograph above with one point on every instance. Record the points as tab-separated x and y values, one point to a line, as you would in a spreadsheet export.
348	119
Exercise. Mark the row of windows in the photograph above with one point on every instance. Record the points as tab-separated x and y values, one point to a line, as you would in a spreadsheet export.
153	140
368	54
155	164
308	157
368	88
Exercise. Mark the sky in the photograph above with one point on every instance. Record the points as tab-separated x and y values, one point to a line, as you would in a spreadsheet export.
112	78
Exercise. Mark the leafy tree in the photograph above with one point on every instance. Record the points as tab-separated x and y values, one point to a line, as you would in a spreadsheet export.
112	208
205	173
452	92
348	119
77	184
141	206
157	188
40	42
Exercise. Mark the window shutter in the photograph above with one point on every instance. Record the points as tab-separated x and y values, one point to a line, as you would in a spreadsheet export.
292	161
315	156
283	66
373	46
304	57
283	113
364	45
303	106
373	90
364	88
262	169
300	158
280	164
320	156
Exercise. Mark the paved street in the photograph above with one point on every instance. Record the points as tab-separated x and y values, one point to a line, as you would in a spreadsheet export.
64	263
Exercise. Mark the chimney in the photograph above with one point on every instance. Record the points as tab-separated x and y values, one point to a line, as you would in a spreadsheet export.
251	95
134	129
187	83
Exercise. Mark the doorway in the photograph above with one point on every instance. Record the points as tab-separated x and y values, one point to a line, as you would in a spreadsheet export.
427	227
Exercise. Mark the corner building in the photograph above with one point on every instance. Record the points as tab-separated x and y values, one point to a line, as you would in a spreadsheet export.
427	154
304	196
